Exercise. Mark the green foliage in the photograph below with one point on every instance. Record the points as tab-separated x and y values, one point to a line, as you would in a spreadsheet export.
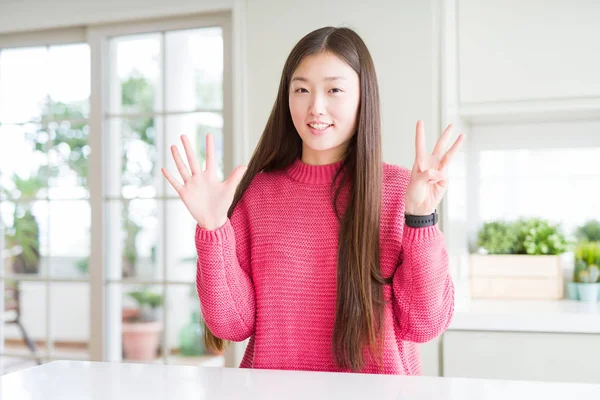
148	302
497	237
63	137
587	260
26	188
590	231
525	236
138	93
24	232
588	252
83	265
539	237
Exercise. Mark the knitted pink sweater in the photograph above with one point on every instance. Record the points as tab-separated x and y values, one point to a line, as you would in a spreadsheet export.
269	274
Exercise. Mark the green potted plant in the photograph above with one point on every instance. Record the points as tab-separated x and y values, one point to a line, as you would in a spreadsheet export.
586	273
518	259
589	231
141	331
23	237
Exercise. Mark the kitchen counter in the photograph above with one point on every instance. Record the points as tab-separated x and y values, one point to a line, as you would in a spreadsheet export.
93	380
560	316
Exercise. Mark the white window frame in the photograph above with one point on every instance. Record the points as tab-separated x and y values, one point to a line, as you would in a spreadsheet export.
234	149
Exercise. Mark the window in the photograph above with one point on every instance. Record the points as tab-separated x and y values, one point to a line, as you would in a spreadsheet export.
559	185
545	169
44	201
99	234
163	80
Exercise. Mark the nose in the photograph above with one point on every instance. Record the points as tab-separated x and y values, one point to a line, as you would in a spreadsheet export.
317	104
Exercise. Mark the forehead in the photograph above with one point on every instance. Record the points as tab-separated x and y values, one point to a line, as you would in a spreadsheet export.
323	65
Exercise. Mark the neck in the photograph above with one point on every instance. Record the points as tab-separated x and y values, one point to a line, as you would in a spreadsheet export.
325	157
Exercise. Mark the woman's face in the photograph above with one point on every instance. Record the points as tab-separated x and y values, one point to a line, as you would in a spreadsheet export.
324	99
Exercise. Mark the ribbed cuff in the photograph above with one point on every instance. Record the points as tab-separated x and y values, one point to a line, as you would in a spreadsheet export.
411	234
220	234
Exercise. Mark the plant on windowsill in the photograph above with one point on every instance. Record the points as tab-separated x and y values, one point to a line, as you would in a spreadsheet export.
518	260
586	273
141	331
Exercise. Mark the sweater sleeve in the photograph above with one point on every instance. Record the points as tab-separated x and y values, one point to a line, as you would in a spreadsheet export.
422	285
223	278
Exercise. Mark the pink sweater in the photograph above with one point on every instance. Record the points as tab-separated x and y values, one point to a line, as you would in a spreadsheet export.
269	274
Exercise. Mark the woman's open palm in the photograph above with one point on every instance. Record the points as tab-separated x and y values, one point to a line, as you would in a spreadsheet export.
206	198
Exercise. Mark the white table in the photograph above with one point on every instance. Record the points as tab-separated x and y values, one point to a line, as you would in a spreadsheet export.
66	380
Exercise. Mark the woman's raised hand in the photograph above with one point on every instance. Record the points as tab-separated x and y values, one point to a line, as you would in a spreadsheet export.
206	198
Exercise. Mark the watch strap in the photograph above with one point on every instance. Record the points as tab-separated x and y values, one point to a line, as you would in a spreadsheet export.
421	221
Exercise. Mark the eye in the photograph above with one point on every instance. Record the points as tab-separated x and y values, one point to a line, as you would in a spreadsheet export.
301	90
336	90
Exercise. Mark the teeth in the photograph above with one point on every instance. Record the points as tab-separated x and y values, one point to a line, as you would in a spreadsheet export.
319	126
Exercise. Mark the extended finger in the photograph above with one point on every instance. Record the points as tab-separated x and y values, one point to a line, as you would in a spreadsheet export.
176	185
191	156
442	142
450	153
181	167
420	149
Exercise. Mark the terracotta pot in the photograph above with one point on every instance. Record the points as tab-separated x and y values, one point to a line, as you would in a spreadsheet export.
141	340
128	313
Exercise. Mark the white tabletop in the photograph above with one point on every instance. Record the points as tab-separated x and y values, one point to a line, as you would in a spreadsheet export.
560	316
80	380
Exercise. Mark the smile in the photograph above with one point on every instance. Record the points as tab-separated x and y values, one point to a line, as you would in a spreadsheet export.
319	126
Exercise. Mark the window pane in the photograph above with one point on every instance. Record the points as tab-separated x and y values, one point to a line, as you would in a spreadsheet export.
195	126
69	231
132	234
69	86
535	183
180	247
70	320
24	84
25	237
23	162
68	159
194	71
25	302
132	157
135	81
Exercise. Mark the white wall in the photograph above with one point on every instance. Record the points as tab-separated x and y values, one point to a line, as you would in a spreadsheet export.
27	15
401	36
512	50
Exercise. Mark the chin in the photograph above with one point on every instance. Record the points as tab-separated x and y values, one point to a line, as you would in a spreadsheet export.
319	145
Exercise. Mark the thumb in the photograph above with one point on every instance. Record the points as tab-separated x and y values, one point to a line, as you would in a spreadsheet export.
236	176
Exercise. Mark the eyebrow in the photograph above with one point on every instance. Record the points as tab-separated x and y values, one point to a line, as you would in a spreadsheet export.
329	78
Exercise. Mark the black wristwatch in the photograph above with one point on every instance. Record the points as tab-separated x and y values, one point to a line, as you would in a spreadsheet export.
421	221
